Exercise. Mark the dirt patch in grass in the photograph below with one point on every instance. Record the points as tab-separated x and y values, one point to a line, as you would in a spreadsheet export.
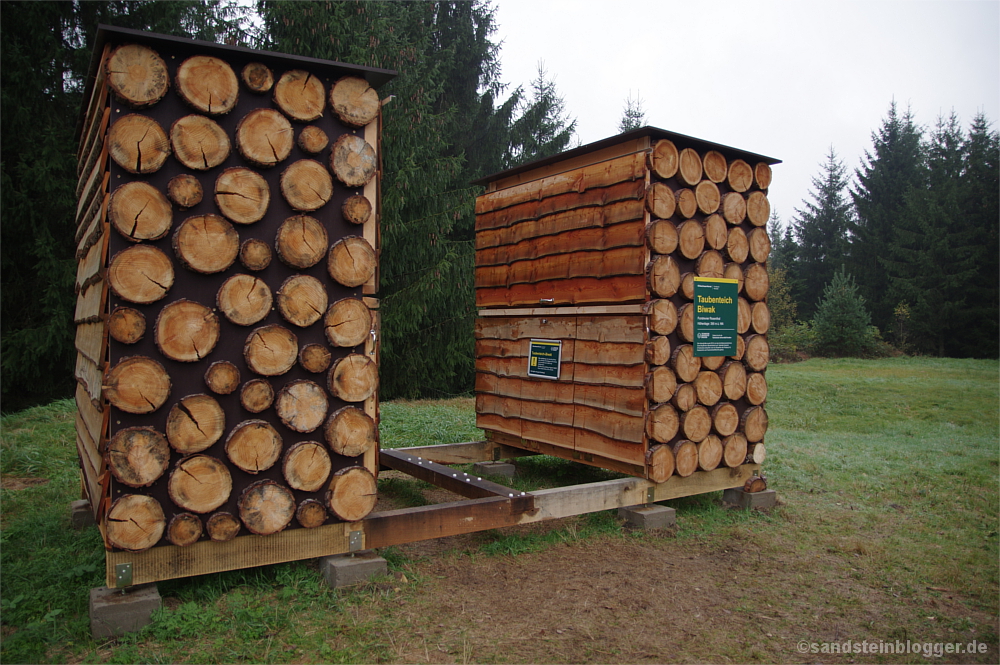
12	483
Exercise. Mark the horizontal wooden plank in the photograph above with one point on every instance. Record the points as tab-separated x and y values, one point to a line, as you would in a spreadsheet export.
611	375
90	303
90	452
525	328
594	353
565	452
612	263
94	419
599	201
630	401
572	220
89	375
410	525
621	169
609	425
629	234
98	100
641	144
468	452
90	339
94	188
90	270
95	153
564	311
611	329
582	290
91	477
93	229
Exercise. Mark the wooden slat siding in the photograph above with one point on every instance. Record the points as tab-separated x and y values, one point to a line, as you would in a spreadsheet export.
623	289
564	311
611	263
568	453
613	425
96	184
91	484
610	375
526	328
603	174
91	269
94	461
610	426
98	99
92	160
94	419
625	194
409	525
90	339
90	303
84	229
90	376
641	144
630	234
585	352
560	222
630	329
593	443
612	398
630	401
372	349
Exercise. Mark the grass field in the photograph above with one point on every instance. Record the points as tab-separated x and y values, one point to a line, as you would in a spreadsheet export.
887	530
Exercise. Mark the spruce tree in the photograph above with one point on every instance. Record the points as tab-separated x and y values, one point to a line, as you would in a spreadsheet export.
543	127
883	183
820	230
842	322
633	115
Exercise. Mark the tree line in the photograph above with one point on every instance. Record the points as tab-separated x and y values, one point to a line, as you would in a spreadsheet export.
906	252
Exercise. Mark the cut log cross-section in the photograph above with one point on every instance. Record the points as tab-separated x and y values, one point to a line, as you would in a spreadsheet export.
348	322
135	522
663	276
264	137
709	453
661	236
691	239
760	244
734	208
242	195
725	419
271	350
206	243
306	466
300	95
660	201
195	423
660	463
185	190
740	176
257	77
696	423
760	317
313	140
138	144
126	325
222	377
199	143
707	195
737	246
306	185
685	363
756	391
758	353
755	281
353	160
743	316
222	526
137	385
186	331
687	203
207	84
734	450
142	274
708	385
266	507
200	483
310	514
658	350
254	446
663	160
137	75
685	457
257	395
685	398
716	232
137	456
734	380
302	405
353	378
662	316
255	254
753	423
351	261
685	322
758	209
715	166
350	432
301	241
139	211
689	167
315	358
660	384
244	299
762	175
352	493
184	529
354	101
662	423
710	264
357	209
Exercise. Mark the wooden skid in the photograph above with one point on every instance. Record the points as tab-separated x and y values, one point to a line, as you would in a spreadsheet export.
407	525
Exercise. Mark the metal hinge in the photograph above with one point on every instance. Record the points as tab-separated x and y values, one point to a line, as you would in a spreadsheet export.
123	575
651	494
355	541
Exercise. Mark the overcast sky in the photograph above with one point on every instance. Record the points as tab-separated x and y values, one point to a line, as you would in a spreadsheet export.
785	79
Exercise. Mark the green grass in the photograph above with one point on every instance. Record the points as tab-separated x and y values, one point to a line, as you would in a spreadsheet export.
886	468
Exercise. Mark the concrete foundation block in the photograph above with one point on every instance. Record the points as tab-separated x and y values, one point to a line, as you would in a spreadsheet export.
113	613
81	516
504	469
648	517
747	500
348	569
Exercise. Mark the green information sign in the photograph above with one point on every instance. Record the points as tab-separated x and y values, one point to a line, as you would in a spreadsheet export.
716	313
543	358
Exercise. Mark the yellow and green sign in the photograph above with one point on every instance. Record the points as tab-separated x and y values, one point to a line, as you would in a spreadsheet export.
716	314
543	358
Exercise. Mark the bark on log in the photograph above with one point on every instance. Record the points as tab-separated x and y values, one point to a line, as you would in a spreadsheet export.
741	348
760	244
660	201
685	363
352	493
734	208
242	195
347	323
734	271
206	243
762	175
353	160
306	466
139	211
710	453
753	424
756	391
311	514
313	140
315	358
725	419
351	261
691	239
195	423
257	395
200	483
266	507
306	185
687	203
758	209
271	350
199	143
137	75
126	325
222	526
687	286
685	457
256	254
137	385
350	432
710	264
658	350
354	101
659	463
755	281
662	423
301	242
357	209
207	84
740	176
716	232
135	523
760	318
222	377
184	529
734	380
138	144
742	316
689	167
734	450
302	406
663	160
185	190
186	331
756	454
265	137
661	236
138	456
708	385
707	195
685	398
715	166
141	274
758	353
662	316
685	322
253	446
660	384
353	378
257	77
302	300
300	95
244	299
696	423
